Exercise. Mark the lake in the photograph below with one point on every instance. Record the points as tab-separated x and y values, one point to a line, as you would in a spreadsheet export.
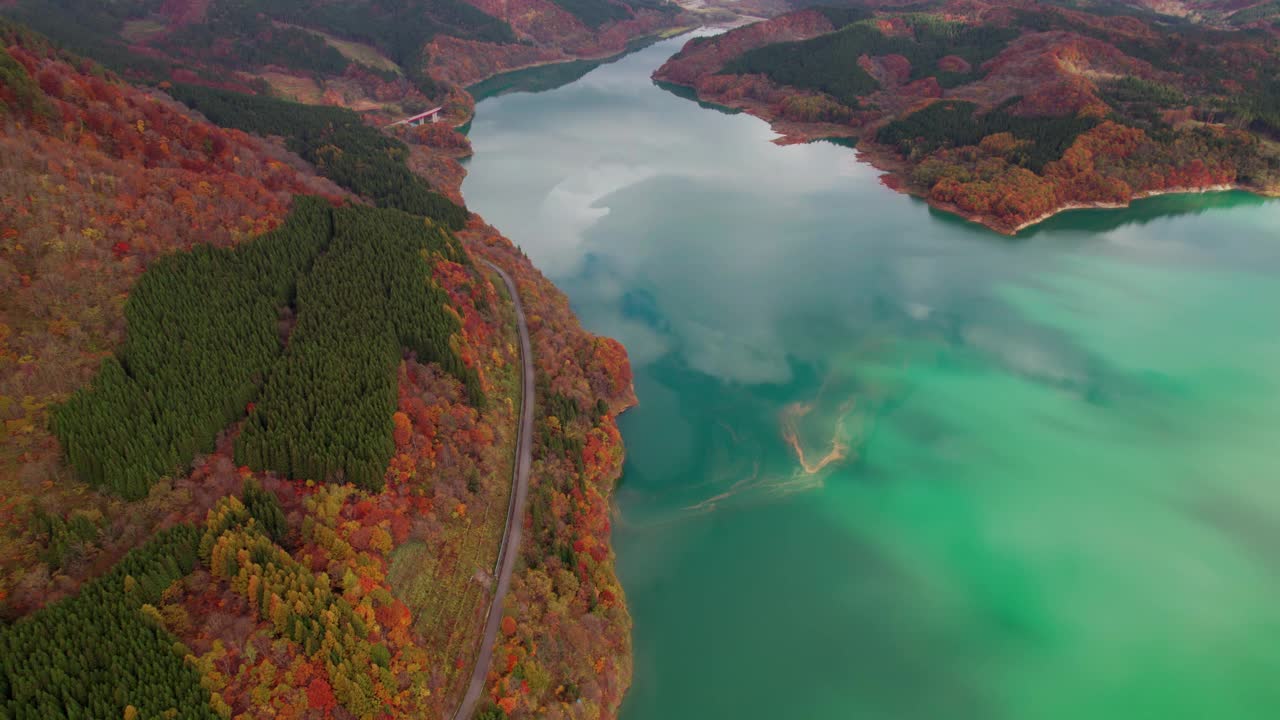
888	464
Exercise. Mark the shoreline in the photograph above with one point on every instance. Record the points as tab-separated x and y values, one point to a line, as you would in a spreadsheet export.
623	658
879	158
1013	230
638	42
790	132
894	177
1144	195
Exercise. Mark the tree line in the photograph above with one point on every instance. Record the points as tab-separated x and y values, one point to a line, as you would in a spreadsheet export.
91	28
104	653
1261	109
246	38
594	13
337	142
19	94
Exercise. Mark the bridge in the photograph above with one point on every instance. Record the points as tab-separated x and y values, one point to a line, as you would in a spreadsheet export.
432	115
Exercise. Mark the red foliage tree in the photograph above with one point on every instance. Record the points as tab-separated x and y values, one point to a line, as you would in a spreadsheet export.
320	695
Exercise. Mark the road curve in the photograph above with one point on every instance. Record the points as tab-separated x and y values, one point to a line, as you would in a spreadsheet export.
515	509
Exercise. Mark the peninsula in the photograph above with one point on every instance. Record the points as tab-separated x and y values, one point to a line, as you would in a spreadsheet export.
1007	112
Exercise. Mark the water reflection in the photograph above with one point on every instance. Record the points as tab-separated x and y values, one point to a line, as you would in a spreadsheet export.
881	449
1145	211
547	77
687	93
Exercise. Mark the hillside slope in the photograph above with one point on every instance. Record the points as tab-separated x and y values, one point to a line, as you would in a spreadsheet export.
1236	13
392	58
266	438
1007	112
99	180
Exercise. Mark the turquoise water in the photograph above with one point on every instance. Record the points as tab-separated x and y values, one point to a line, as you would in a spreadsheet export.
890	465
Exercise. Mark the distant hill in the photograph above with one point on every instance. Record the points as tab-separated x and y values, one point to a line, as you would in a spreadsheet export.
1009	111
1225	12
364	54
1238	13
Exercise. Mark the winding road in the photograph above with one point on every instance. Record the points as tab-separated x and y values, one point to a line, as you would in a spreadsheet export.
515	511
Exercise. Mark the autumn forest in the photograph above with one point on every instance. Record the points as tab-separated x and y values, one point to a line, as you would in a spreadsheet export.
259	390
261	387
1007	112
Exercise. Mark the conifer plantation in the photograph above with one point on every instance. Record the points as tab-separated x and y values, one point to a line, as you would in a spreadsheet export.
100	653
325	412
201	335
1040	140
204	335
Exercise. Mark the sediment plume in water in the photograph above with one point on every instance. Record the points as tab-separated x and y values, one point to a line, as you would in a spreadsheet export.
839	447
809	474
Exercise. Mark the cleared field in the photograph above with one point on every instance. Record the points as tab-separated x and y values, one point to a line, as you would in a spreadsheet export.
293	87
355	51
361	53
139	30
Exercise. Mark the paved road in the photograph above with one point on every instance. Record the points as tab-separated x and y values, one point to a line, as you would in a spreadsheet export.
515	511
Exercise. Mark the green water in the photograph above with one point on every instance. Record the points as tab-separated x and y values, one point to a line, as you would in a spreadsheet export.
1060	498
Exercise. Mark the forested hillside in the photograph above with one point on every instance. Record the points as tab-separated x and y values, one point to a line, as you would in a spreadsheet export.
1237	13
1007	112
325	410
101	654
340	145
353	278
566	632
97	180
371	56
209	313
258	404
